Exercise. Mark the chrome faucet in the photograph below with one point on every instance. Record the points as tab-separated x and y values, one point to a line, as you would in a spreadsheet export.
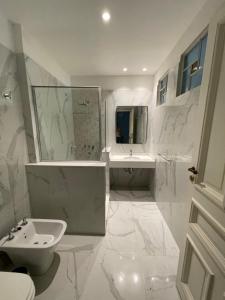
24	222
10	236
15	229
131	152
73	148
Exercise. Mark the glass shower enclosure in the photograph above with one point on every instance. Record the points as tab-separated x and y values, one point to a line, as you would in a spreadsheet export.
70	122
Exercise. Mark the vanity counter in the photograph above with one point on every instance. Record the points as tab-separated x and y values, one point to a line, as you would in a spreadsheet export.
78	163
141	161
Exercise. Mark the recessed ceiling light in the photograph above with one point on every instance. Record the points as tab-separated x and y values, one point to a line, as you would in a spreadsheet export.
125	69
144	69
106	16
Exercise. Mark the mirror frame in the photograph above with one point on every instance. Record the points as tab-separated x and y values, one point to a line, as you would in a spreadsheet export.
130	106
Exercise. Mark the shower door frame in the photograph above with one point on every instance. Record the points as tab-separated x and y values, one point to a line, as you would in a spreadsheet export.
34	103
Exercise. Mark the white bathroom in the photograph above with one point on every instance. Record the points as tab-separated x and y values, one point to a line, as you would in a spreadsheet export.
112	150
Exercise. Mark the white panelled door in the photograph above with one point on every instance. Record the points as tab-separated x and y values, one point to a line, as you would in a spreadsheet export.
201	274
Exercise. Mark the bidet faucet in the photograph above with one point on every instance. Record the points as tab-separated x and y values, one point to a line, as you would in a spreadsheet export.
15	228
131	152
24	222
11	236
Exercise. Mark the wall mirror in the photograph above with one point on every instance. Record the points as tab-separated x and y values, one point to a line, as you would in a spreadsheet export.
131	124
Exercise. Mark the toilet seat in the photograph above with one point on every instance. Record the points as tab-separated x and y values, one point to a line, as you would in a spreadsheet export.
16	286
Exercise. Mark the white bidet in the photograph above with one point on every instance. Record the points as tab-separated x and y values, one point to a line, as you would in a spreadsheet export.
34	243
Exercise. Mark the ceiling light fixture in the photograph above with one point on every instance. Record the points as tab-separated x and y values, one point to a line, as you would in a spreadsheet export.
106	16
144	69
125	69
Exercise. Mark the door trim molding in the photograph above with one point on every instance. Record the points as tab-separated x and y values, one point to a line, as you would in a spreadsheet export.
208	244
211	194
209	277
213	251
211	95
211	220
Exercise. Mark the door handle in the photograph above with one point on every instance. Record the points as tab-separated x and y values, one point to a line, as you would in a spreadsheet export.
192	178
193	170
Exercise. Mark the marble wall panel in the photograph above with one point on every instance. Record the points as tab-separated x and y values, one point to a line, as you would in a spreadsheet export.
71	193
14	199
173	127
28	110
87	118
173	194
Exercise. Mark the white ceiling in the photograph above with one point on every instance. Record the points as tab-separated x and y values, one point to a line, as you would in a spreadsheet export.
141	32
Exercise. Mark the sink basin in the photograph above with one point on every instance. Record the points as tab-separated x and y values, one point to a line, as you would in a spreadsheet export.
131	157
138	160
33	245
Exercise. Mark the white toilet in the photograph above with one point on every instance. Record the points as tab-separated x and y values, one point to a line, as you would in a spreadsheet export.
16	286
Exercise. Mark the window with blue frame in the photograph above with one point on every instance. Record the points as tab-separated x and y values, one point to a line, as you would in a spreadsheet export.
192	66
162	90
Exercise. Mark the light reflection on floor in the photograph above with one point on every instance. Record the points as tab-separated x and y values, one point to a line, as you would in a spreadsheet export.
137	259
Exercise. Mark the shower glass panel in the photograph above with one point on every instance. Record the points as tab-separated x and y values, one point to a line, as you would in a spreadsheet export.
68	122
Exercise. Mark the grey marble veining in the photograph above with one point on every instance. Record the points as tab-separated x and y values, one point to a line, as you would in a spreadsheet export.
87	119
71	193
173	193
14	199
67	276
174	137
137	258
173	126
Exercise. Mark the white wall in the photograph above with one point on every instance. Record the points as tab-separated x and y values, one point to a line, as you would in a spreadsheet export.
25	43
6	36
17	39
114	82
200	22
120	90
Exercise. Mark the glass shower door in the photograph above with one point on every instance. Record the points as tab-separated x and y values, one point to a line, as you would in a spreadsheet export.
68	121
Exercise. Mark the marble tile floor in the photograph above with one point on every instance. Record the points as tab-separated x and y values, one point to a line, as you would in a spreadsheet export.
136	259
131	195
